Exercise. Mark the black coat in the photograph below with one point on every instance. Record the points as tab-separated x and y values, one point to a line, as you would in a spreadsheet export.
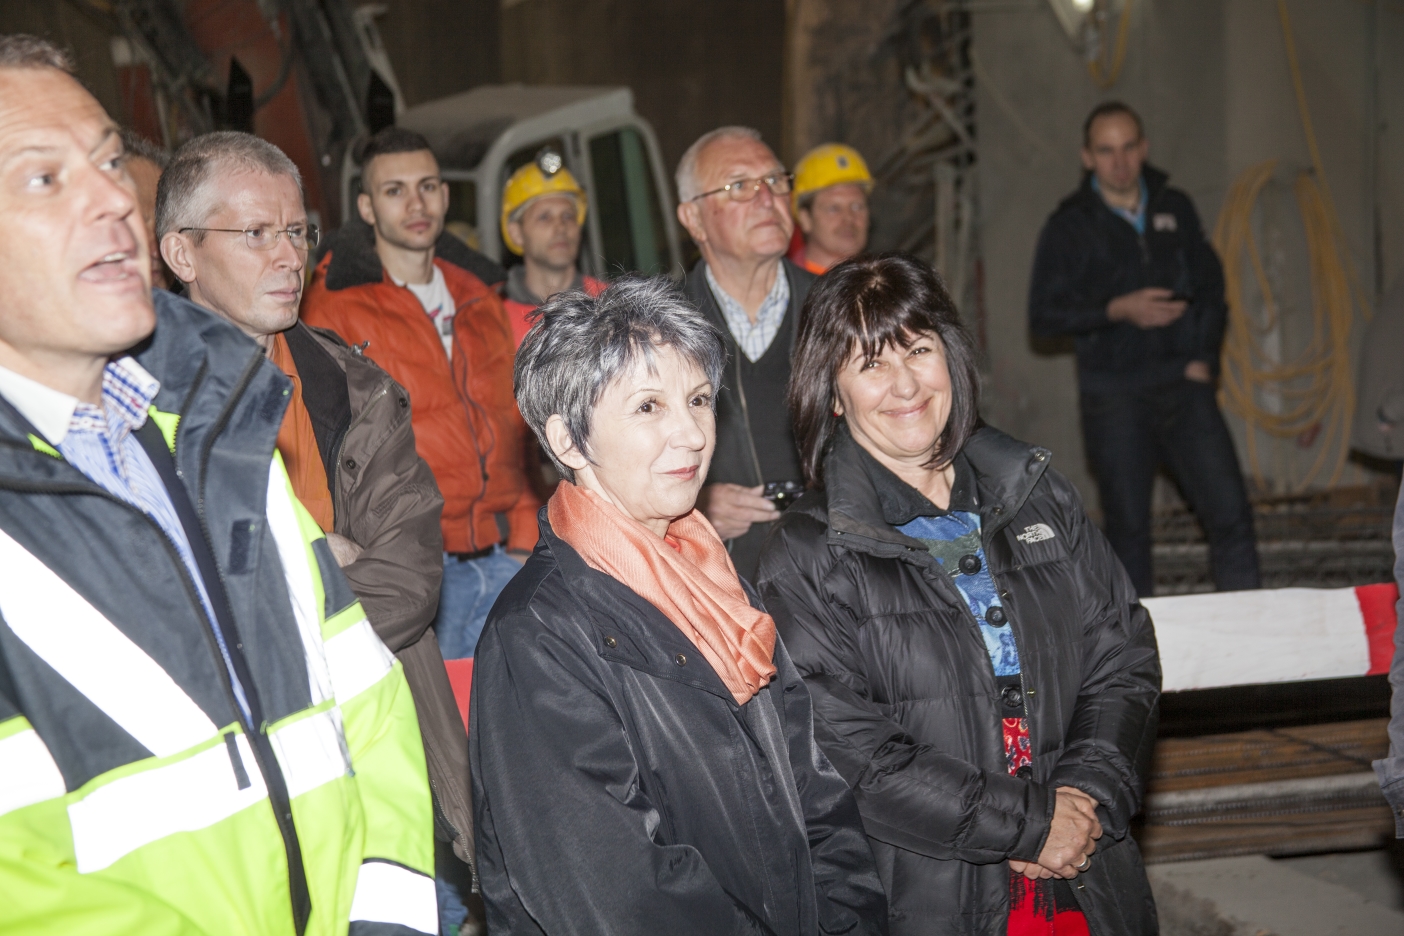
618	788
905	697
1088	255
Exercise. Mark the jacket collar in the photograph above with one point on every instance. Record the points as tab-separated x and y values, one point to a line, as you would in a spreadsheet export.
354	261
1155	180
644	638
516	287
994	476
201	361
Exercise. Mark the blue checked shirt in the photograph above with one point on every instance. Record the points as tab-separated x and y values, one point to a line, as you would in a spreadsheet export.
754	337
101	442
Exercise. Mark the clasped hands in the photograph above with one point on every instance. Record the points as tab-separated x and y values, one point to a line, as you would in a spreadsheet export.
1071	840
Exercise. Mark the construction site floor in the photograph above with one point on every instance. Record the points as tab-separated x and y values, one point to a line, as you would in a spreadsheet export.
1322	539
1218	806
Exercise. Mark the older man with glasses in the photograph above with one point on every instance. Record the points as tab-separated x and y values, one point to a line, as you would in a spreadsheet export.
233	228
733	196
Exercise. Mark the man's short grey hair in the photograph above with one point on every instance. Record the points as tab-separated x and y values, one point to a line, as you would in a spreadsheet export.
185	196
581	344
689	186
20	50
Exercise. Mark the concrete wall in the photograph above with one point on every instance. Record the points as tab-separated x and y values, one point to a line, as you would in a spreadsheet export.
86	36
441	47
1211	80
693	66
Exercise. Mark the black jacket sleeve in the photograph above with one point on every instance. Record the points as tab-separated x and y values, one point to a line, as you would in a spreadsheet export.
1059	301
1107	746
848	890
1210	310
910	795
547	743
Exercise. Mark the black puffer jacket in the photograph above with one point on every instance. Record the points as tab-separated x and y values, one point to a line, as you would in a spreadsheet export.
618	788
905	700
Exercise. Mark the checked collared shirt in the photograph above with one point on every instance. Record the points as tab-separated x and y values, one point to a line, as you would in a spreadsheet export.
754	337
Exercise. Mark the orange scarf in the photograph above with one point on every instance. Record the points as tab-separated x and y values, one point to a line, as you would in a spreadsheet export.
693	583
298	443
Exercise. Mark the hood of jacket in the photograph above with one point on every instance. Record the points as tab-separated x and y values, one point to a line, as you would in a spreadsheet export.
355	262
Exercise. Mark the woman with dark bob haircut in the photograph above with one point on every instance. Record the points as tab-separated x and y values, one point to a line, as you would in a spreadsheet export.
982	674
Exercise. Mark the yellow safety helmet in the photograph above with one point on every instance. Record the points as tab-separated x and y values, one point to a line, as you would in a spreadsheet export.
545	175
825	165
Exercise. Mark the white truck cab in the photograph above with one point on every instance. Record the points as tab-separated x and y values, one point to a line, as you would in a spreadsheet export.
482	136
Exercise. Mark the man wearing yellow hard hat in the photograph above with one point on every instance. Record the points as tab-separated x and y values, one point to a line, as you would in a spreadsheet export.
542	210
830	203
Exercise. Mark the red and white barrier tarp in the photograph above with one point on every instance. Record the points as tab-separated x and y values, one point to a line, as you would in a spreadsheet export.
1236	638
1274	635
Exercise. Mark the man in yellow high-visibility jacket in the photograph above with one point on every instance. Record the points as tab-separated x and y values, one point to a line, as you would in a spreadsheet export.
200	732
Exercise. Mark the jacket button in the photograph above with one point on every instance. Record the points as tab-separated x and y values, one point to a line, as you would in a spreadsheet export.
680	660
969	564
1013	696
998	511
611	643
995	615
1004	595
1024	773
404	404
350	464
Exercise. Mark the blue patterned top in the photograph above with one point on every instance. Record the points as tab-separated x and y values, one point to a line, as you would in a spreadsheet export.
954	536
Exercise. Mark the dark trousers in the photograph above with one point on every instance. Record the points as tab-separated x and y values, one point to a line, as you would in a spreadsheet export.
1178	425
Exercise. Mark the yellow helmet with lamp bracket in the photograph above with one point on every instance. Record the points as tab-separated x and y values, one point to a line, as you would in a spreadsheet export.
827	165
544	175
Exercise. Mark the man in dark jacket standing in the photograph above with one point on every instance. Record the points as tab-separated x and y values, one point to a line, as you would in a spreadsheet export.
733	196
346	438
1123	267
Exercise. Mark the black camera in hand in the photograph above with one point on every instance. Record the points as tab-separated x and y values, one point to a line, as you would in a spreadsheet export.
782	493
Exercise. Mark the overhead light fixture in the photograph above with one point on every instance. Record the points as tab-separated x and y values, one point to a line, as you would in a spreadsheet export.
1084	20
1073	17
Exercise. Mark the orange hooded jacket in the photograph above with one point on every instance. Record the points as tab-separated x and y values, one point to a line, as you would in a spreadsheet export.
466	423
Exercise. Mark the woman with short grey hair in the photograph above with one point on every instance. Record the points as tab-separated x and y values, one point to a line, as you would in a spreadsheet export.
642	747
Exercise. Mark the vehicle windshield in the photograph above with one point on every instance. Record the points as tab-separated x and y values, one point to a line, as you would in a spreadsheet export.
632	232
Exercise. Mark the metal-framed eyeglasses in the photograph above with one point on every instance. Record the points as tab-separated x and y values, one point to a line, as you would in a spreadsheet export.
302	237
743	190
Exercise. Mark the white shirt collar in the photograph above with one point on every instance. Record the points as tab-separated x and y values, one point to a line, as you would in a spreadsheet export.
48	410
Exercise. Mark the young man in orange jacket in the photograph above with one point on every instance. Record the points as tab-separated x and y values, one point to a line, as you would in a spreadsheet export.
416	299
